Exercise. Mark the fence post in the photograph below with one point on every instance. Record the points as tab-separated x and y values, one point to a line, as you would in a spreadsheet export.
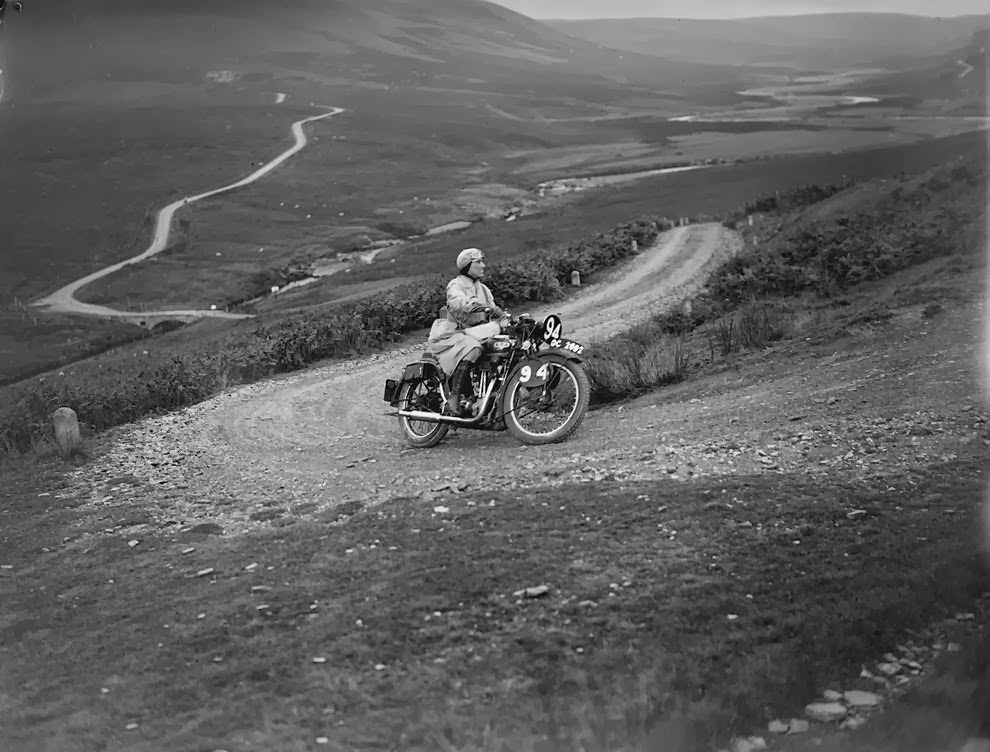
635	246
576	278
750	220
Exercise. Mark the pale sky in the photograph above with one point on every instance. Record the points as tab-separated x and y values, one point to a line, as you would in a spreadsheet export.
735	8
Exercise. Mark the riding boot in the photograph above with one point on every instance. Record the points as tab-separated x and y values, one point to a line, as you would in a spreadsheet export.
459	382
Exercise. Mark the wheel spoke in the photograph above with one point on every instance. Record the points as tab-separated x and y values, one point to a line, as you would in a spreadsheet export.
536	404
420	398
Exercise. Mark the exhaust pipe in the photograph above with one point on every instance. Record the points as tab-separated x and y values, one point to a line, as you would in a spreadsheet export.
427	417
436	417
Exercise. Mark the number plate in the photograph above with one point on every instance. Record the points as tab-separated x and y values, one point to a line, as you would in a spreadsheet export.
552	327
566	344
391	391
533	373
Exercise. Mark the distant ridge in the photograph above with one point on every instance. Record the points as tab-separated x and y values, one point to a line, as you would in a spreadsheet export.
955	74
387	39
820	40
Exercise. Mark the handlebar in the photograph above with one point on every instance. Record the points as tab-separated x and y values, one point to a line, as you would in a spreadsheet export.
514	320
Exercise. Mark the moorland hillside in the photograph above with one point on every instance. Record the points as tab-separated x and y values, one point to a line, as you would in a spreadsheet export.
372	40
955	74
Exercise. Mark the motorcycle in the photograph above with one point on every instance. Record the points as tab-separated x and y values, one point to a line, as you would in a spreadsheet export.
515	386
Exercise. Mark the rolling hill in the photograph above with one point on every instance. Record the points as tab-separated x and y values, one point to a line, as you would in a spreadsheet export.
472	42
814	41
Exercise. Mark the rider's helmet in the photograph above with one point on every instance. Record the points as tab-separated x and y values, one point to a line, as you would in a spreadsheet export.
467	257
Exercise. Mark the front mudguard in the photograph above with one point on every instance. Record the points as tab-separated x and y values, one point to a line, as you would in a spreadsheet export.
553	352
560	352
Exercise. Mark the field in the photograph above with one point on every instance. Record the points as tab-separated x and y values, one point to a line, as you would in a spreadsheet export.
33	348
84	182
711	191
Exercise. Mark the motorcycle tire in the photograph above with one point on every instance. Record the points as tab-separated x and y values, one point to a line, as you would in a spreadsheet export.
418	433
514	413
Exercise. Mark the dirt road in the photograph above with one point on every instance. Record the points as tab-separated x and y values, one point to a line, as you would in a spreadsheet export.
64	299
322	437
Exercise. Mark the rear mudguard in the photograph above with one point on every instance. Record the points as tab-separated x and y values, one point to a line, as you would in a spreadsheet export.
412	373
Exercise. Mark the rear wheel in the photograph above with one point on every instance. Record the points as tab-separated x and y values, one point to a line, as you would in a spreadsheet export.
423	396
550	413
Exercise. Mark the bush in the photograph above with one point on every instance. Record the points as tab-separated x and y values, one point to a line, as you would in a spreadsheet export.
914	224
786	200
636	363
758	324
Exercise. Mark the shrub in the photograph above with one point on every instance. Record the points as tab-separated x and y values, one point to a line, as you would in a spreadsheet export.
933	217
635	363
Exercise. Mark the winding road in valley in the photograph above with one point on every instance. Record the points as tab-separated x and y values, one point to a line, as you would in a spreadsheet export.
63	300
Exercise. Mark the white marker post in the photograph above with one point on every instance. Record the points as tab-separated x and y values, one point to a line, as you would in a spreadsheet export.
67	431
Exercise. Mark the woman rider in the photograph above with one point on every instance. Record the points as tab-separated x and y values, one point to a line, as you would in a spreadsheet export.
472	318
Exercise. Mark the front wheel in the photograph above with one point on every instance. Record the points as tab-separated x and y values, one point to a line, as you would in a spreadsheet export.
425	396
550	413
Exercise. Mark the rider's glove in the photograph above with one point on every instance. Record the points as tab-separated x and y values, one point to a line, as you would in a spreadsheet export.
497	313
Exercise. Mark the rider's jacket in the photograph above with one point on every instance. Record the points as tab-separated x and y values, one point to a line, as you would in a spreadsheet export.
466	300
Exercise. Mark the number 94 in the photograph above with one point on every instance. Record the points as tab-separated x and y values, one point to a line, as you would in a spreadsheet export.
530	377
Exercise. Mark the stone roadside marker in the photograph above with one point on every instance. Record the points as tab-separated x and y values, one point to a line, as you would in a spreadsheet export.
67	431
